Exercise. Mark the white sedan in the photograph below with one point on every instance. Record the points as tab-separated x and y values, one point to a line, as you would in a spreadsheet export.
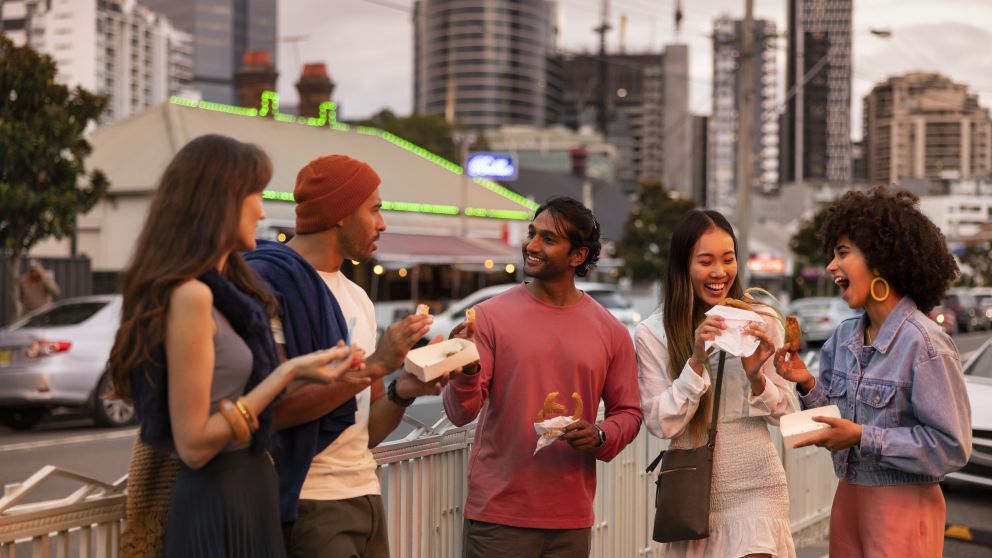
978	380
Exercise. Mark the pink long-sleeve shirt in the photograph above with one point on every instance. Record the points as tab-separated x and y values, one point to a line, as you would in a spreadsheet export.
528	349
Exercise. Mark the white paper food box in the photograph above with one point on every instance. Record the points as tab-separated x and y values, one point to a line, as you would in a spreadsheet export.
427	363
799	427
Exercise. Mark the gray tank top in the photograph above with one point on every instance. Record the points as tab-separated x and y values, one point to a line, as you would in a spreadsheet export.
232	363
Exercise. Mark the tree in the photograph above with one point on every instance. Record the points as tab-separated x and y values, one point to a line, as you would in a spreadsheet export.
978	257
807	247
647	234
43	181
429	131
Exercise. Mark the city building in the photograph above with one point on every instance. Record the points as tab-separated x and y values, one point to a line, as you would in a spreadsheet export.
648	98
223	31
15	18
547	149
721	191
816	125
129	53
700	157
923	125
486	63
959	216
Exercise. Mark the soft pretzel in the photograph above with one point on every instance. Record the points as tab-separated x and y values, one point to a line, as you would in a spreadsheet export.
470	316
577	399
734	303
550	407
793	333
423	310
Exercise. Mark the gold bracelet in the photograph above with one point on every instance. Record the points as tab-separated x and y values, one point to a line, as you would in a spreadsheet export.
239	428
250	419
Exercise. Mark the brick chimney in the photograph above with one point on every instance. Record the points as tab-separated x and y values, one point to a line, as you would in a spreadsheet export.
256	74
314	87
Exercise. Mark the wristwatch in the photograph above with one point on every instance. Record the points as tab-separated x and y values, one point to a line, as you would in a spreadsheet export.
602	435
391	394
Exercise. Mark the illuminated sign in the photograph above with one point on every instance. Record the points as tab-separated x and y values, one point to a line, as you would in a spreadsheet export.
496	166
766	263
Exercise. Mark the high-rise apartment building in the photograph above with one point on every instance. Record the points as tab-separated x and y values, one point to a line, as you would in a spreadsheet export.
649	95
223	31
923	125
816	139
15	18
116	48
486	63
721	191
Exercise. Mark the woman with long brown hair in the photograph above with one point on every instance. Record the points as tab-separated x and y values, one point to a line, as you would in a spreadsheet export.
749	502
195	354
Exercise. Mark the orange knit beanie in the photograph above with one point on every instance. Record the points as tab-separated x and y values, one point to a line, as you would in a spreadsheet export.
329	189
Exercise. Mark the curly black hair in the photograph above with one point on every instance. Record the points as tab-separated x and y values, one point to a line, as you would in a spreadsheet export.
899	241
579	224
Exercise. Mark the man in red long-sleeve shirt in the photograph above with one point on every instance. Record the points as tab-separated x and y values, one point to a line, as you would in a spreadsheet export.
540	337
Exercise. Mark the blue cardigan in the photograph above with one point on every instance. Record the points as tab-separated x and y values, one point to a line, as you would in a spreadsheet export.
311	320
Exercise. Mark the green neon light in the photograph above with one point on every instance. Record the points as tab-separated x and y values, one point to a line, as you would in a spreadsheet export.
499	214
328	117
506	193
278	196
420	208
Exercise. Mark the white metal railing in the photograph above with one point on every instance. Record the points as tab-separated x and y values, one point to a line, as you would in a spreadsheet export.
424	479
86	523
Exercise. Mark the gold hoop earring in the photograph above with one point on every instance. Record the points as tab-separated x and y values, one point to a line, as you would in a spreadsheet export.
871	288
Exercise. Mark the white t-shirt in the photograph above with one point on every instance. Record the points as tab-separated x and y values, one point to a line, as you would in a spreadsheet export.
346	468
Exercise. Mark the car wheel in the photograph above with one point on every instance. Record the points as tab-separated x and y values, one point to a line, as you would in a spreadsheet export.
110	412
22	418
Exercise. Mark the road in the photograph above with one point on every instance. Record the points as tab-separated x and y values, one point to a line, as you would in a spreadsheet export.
72	442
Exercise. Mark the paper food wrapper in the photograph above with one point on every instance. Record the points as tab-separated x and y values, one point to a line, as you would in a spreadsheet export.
550	430
733	339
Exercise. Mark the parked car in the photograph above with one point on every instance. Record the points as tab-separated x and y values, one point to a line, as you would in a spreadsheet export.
604	293
984	297
819	316
945	318
56	357
965	308
978	381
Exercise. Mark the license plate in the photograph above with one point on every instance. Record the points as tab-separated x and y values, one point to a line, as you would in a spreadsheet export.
5	357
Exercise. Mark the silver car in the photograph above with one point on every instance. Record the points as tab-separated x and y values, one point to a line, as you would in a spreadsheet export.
56	357
819	316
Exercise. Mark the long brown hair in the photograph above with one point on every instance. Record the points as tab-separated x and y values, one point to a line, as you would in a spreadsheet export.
682	313
192	221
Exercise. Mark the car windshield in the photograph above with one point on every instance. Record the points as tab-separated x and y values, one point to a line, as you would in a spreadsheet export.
64	315
610	299
981	367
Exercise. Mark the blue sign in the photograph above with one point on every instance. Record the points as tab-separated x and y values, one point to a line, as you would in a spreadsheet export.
495	166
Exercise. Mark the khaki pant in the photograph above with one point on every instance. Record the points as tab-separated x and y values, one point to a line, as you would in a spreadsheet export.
488	540
352	528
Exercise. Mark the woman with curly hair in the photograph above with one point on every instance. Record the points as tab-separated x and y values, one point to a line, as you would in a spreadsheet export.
895	376
195	351
749	501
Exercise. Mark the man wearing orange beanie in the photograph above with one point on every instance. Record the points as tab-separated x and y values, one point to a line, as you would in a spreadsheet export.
340	512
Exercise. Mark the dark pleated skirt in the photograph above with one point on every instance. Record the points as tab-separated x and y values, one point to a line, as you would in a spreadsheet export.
229	508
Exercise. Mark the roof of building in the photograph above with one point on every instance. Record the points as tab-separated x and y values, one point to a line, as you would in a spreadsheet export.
135	151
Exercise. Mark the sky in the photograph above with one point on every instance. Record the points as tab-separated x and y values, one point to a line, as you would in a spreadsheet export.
368	44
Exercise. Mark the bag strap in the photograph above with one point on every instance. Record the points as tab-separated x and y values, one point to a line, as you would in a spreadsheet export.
716	411
716	399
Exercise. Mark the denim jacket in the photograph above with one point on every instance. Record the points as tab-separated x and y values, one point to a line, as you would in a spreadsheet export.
910	399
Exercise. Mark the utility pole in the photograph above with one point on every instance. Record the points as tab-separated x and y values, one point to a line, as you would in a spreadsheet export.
745	116
800	71
604	90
